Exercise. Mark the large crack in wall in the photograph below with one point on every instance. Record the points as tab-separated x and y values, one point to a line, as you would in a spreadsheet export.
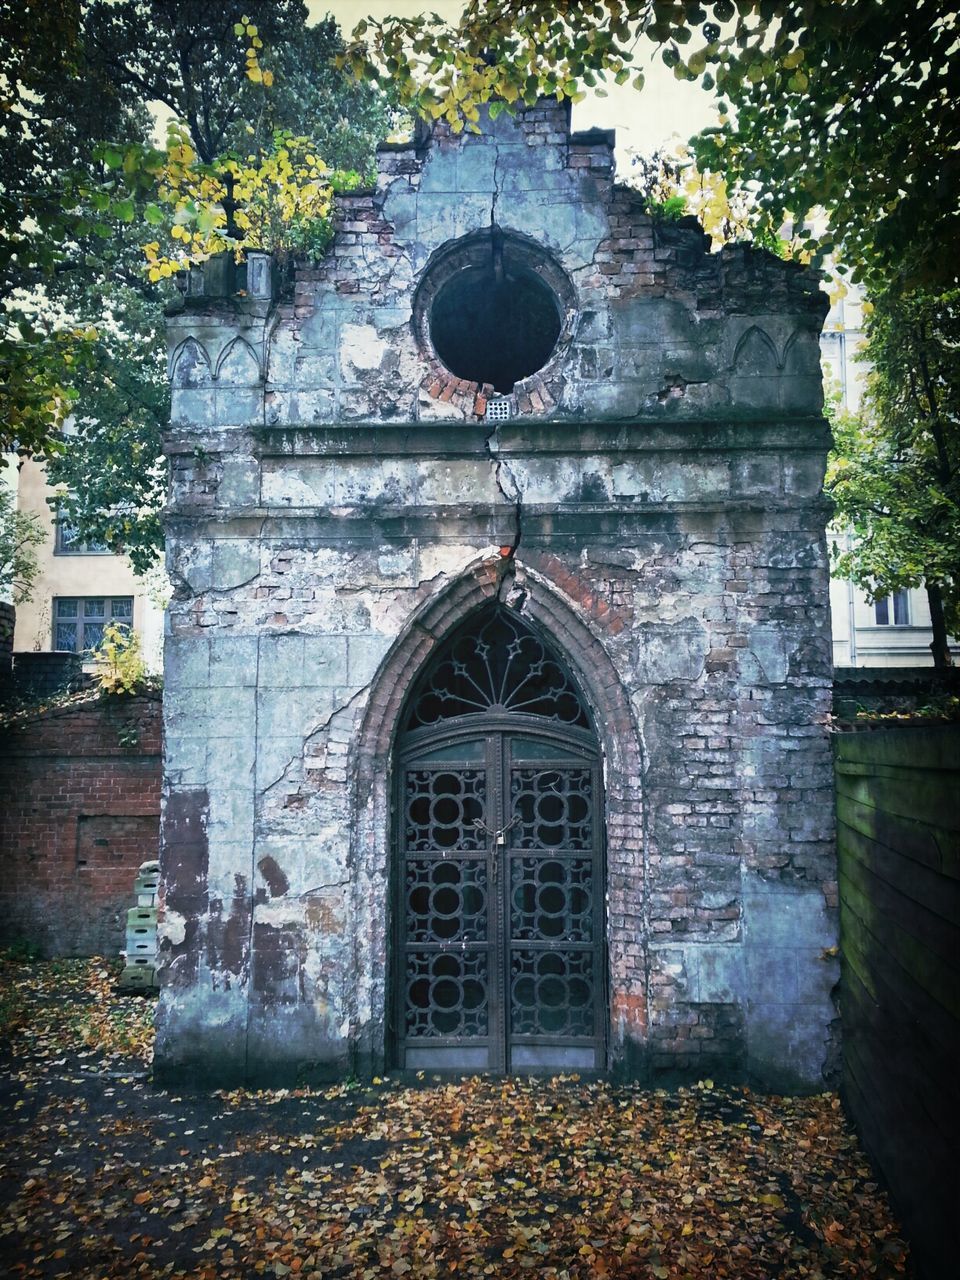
501	469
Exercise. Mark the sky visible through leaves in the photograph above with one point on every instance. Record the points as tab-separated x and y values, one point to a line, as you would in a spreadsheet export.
668	112
103	1176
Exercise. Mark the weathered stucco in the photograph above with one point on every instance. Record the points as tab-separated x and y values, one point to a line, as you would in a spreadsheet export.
652	501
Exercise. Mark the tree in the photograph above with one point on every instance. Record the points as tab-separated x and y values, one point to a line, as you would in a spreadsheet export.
20	534
895	471
84	338
110	475
187	55
674	187
52	108
844	105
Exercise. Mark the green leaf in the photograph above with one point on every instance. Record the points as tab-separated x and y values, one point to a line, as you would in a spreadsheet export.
206	221
153	214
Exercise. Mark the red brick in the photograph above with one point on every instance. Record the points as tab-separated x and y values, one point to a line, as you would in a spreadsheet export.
66	785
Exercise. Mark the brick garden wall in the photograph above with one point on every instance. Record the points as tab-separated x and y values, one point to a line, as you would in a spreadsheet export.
79	812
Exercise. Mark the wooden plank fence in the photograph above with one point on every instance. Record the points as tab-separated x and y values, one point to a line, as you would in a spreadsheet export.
898	830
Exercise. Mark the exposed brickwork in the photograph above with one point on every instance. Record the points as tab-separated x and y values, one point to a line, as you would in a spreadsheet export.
79	812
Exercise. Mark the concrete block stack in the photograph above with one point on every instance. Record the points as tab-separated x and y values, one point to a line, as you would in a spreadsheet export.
139	972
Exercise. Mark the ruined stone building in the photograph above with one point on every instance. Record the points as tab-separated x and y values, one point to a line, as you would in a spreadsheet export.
498	664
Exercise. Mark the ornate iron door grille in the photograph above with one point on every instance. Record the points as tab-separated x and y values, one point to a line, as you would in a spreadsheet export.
499	962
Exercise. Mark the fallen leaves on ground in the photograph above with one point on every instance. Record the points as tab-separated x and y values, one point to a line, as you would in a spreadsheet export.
104	1176
46	1007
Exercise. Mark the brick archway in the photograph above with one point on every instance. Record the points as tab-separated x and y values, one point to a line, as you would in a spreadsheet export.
540	601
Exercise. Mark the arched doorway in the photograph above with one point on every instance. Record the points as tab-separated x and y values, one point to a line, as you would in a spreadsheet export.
498	952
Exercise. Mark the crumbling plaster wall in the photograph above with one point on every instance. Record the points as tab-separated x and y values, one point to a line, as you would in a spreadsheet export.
654	502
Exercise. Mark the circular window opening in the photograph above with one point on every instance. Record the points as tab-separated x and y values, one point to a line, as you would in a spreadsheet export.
494	326
492	309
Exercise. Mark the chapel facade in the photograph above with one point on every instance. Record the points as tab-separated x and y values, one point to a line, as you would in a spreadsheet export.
498	665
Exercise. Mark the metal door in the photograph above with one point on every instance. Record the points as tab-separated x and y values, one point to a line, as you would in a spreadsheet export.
499	962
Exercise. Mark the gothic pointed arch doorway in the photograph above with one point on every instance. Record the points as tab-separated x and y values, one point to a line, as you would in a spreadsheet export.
498	904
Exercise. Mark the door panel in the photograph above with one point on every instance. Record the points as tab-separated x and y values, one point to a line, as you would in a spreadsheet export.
554	922
499	918
551	899
443	808
445	909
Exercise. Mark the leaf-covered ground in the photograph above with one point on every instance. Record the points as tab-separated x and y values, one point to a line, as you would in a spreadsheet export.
103	1176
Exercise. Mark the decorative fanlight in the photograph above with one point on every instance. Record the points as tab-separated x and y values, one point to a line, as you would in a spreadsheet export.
495	664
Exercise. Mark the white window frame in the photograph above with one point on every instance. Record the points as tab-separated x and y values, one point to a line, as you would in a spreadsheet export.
901	604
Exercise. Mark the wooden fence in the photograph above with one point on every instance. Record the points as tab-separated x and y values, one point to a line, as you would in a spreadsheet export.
898	811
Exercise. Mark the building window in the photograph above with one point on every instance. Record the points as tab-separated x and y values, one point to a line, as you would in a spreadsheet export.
78	621
893	610
69	542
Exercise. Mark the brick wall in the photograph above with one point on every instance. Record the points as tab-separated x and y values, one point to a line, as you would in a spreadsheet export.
39	676
79	812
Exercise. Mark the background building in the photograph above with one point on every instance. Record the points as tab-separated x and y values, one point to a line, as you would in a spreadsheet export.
80	587
890	633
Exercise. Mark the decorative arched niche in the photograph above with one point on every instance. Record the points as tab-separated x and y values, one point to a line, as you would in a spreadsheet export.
495	310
